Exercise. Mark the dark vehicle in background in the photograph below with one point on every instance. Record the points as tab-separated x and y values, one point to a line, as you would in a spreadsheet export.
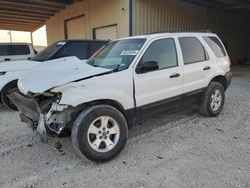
10	72
82	49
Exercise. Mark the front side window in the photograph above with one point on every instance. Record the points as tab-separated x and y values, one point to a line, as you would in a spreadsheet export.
216	46
192	50
117	55
163	52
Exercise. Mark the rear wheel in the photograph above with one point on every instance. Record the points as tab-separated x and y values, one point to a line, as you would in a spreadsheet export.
100	133
213	101
10	87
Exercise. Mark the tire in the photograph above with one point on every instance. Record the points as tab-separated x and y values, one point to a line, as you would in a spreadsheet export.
208	107
84	141
7	90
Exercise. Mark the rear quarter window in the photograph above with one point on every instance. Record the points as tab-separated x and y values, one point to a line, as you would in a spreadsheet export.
216	46
14	50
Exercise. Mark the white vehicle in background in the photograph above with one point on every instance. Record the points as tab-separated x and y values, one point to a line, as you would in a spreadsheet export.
126	80
16	51
11	71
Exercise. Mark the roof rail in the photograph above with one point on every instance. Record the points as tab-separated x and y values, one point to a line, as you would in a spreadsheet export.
181	31
169	31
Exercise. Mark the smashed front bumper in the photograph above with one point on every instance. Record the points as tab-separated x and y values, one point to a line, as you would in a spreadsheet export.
31	113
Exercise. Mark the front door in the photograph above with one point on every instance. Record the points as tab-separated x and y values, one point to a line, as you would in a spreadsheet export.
157	87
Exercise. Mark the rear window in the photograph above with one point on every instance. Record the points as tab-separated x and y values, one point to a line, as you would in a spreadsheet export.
6	50
192	50
78	49
216	46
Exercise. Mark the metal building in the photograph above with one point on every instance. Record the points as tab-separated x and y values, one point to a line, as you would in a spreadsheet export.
111	19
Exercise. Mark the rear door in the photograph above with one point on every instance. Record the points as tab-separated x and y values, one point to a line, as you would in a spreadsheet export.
156	88
197	64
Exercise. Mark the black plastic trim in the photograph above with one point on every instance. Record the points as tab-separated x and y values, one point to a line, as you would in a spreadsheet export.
229	76
166	104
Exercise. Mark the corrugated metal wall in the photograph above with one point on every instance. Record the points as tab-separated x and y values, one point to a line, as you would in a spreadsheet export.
162	15
97	13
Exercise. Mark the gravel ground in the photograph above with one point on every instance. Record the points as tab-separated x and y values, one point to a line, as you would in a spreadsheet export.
171	149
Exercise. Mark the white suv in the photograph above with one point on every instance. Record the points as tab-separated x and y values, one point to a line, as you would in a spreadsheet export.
16	51
125	80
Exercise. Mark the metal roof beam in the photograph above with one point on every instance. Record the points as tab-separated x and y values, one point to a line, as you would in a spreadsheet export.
21	20
24	9
12	17
27	14
10	4
237	7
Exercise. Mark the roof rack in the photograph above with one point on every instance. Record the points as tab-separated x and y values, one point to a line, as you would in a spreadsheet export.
182	30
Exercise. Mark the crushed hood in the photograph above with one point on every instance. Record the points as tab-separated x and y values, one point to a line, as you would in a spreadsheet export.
55	73
17	65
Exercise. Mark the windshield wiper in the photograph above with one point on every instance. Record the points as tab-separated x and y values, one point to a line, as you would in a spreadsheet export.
117	68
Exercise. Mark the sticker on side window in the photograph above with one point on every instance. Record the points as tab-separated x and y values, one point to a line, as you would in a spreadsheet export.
129	52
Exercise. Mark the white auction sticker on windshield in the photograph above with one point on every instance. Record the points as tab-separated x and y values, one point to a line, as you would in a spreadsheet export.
129	52
61	43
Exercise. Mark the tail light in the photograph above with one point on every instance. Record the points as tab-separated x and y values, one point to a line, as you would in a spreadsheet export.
229	63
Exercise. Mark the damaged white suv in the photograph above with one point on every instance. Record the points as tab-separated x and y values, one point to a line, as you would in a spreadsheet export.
125	80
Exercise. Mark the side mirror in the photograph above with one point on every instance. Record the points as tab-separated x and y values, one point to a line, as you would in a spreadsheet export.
147	66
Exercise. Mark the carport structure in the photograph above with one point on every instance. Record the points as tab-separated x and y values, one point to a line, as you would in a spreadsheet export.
28	15
111	19
241	7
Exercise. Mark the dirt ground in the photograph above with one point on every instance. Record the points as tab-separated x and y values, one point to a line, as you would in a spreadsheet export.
171	149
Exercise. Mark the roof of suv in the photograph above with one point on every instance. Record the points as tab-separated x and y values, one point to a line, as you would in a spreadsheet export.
178	34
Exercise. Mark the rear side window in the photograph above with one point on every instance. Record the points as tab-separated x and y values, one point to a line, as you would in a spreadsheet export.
163	52
192	50
94	46
14	50
3	50
78	49
216	46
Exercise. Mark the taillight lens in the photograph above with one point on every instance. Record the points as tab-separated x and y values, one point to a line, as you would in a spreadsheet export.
229	63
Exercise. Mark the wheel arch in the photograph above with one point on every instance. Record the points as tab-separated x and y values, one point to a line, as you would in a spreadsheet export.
14	82
220	79
128	114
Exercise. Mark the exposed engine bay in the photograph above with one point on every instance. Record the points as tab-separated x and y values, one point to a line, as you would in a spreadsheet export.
44	113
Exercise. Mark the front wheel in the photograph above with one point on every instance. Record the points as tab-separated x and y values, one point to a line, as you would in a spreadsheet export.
213	101
100	133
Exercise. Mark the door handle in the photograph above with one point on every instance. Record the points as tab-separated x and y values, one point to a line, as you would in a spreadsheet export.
207	68
7	59
174	75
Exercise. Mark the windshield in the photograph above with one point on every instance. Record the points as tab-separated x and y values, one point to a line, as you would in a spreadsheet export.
47	52
117	55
